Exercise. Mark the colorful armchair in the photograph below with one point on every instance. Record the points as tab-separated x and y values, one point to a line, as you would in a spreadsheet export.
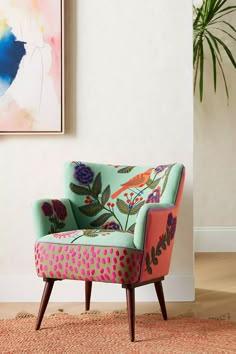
117	225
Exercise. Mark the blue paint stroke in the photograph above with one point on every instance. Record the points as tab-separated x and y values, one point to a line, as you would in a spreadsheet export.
11	54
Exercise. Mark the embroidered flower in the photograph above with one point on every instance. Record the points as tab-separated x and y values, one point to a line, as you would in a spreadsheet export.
111	225
170	219
64	234
171	223
60	209
160	168
154	197
83	174
47	209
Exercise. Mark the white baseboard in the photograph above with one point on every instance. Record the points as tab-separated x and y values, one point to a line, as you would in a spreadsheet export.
215	239
29	288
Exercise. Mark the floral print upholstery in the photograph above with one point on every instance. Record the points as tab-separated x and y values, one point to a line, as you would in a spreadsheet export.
95	234
111	196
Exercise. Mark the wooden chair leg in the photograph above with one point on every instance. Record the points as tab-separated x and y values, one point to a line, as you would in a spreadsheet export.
88	289
160	295
130	298
44	301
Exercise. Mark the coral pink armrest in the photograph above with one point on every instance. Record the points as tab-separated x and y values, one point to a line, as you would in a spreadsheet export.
158	241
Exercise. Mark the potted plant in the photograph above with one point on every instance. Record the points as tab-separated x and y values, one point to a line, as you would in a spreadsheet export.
210	22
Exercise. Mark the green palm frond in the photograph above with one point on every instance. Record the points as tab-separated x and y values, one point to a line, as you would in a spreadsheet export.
208	24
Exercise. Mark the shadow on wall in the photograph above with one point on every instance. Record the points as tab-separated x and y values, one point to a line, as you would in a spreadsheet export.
70	65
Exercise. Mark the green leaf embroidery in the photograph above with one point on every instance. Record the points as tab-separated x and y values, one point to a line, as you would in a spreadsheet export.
148	264
158	251
90	209
137	207
97	185
126	169
79	190
131	228
163	246
52	229
91	232
168	236
101	220
60	225
152	184
166	179
53	219
122	206
106	195
154	258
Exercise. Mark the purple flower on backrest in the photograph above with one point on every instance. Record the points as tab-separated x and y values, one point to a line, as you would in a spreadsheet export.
151	198
47	209
170	219
83	174
160	168
154	197
111	225
60	209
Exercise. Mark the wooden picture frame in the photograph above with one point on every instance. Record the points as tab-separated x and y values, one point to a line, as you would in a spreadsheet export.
31	67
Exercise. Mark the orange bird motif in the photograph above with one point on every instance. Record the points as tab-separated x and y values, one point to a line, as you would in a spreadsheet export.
135	182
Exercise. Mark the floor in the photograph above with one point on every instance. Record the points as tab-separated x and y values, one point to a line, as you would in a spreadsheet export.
215	283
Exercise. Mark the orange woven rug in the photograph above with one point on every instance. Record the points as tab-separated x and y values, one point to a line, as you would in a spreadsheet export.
108	333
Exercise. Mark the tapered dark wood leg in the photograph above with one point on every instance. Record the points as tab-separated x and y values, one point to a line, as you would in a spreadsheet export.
88	289
130	298
44	301
160	295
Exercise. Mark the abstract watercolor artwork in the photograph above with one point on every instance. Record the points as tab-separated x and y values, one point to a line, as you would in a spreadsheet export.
31	66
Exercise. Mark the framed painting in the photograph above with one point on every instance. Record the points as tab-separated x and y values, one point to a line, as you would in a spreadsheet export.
31	66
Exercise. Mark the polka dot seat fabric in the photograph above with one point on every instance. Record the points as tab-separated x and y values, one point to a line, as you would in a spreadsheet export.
115	224
85	262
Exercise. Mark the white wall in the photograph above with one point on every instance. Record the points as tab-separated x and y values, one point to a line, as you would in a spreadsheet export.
128	100
214	158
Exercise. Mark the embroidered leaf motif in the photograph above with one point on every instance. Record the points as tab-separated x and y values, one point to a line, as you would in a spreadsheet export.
131	228
53	219
91	232
122	206
148	264
52	229
79	190
154	258
126	169
168	236
166	178
158	251
152	184
101	220
163	246
137	207
97	185
106	195
60	225
163	243
90	209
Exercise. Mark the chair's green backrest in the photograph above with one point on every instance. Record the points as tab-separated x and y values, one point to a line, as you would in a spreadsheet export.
110	196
